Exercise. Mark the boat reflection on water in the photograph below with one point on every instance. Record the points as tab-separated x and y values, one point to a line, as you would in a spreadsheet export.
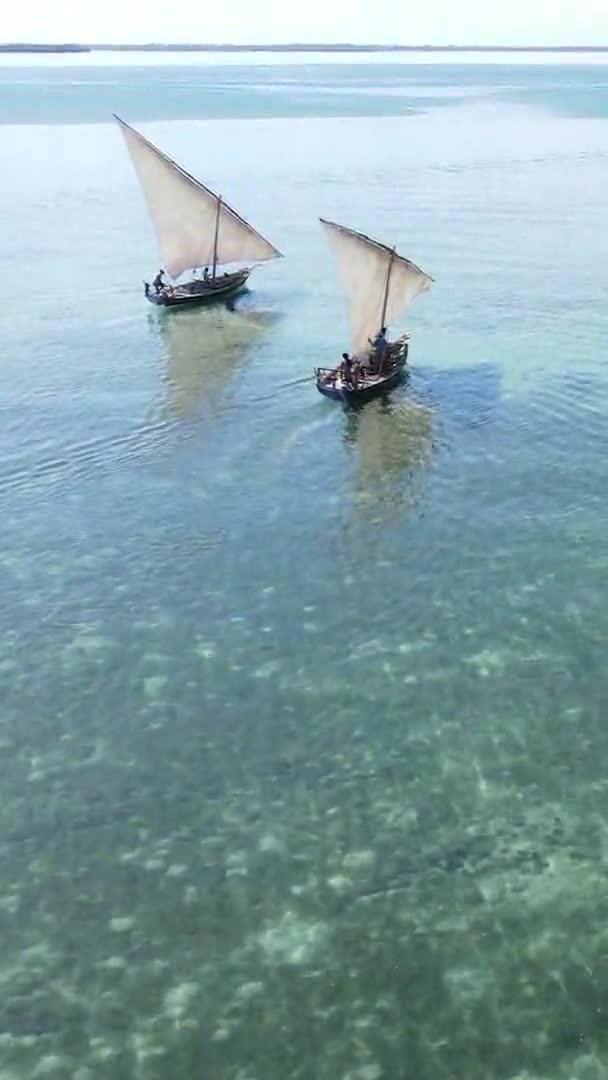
392	441
205	350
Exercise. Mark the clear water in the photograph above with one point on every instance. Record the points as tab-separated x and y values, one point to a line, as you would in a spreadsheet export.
303	734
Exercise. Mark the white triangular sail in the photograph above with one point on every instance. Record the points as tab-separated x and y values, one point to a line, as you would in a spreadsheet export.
185	214
380	284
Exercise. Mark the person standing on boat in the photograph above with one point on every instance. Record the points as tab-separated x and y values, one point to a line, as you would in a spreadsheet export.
206	274
379	344
158	282
348	371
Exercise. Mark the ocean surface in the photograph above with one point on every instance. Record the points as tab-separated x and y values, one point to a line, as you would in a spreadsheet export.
303	713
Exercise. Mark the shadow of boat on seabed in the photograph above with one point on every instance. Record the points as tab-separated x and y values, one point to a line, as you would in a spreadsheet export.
464	397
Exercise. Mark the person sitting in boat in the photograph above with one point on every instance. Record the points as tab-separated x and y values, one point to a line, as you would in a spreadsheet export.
364	361
158	282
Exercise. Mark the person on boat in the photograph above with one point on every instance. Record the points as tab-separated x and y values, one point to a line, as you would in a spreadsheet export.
348	371
379	345
206	274
364	361
158	282
146	288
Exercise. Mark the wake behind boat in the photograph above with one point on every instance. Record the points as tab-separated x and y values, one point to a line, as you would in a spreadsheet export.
380	285
195	228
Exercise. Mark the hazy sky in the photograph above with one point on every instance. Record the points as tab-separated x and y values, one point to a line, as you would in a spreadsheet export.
516	22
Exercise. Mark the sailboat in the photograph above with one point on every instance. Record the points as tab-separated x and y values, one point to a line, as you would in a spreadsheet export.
380	284
195	229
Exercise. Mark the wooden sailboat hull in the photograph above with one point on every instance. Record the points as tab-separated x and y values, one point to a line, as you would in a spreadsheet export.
331	384
200	292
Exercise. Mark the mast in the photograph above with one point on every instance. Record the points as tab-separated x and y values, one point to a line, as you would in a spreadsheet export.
385	302
387	287
217	232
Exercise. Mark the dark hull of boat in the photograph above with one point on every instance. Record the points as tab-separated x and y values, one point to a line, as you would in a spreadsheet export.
369	388
200	292
359	396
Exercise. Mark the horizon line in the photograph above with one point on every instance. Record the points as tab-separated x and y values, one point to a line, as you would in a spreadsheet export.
295	46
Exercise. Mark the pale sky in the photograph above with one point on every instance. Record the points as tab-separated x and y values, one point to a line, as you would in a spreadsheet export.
484	22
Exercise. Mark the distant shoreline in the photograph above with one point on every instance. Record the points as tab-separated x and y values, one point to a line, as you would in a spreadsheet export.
299	47
27	48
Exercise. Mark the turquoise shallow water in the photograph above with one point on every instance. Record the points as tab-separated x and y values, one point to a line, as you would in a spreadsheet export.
303	743
88	88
